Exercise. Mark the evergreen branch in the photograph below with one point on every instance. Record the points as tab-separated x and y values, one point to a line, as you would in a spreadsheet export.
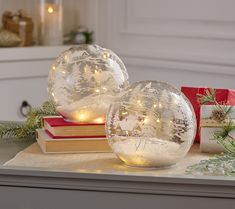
225	138
208	97
11	129
27	129
225	130
228	109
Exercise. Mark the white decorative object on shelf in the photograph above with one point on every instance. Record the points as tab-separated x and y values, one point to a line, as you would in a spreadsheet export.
51	22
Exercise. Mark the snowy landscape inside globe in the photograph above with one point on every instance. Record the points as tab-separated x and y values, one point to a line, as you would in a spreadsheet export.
84	80
153	124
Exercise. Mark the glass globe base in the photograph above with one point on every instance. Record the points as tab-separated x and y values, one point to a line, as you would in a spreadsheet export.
145	167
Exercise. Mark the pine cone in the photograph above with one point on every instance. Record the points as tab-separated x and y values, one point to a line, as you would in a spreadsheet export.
218	115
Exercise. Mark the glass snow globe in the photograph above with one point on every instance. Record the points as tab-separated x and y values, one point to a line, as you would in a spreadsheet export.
84	80
152	125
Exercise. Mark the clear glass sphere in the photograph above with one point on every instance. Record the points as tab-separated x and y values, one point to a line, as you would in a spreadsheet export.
152	125
84	80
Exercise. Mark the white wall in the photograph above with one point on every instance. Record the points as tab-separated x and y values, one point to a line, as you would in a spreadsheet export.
183	42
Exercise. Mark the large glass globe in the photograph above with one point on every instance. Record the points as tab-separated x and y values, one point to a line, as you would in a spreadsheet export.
84	80
152	125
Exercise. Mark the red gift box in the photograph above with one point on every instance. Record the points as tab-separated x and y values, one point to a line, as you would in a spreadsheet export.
225	96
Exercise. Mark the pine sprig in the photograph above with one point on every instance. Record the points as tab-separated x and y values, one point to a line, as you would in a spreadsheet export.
208	97
27	129
224	133
11	129
225	138
228	109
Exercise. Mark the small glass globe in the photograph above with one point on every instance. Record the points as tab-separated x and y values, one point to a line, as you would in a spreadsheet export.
84	80
152	125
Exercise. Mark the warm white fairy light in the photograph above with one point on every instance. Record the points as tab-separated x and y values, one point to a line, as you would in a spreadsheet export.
124	113
106	55
146	120
99	120
175	101
50	9
81	116
139	102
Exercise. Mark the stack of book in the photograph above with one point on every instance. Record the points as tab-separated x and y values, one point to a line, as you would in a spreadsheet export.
60	136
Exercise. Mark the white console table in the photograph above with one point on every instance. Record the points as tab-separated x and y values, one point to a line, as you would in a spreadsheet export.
48	188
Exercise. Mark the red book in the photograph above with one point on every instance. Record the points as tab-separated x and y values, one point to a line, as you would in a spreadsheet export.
226	96
57	127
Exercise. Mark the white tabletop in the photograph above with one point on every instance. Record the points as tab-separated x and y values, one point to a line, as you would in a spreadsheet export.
60	180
